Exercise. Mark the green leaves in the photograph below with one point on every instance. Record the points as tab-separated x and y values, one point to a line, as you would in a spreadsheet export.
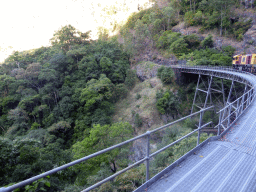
166	74
105	64
38	185
207	42
167	104
96	91
68	36
102	137
54	92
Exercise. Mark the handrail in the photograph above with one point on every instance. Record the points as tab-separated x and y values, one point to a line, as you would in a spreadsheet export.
147	134
226	68
235	101
243	104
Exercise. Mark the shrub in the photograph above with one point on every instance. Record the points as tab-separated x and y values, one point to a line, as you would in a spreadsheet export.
162	42
240	28
211	20
120	92
168	104
192	41
35	125
189	18
130	78
172	37
138	120
166	74
138	96
229	50
179	47
198	18
207	42
204	61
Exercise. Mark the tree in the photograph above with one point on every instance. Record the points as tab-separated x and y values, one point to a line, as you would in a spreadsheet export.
106	65
192	41
102	137
207	42
222	6
169	13
179	47
176	4
6	83
141	36
30	75
168	104
166	74
96	92
69	36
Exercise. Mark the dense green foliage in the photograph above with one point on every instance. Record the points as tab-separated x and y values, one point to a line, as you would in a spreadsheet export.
210	57
166	74
196	52
175	104
215	14
52	98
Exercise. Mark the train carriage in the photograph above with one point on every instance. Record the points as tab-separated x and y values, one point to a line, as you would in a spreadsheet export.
245	62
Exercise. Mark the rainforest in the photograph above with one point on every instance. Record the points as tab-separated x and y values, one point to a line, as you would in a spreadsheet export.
80	95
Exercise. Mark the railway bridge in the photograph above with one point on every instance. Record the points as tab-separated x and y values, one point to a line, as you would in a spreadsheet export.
225	162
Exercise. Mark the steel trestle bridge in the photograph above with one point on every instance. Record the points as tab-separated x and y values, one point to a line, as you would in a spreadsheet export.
226	162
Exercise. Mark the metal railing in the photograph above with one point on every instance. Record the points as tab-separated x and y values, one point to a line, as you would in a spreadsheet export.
229	113
146	159
202	67
235	109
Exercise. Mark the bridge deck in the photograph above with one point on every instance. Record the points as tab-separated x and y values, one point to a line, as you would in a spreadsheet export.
227	164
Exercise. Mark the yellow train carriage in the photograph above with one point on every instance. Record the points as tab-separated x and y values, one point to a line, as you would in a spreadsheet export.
245	62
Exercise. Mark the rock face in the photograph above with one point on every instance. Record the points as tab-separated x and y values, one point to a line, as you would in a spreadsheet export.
250	36
146	70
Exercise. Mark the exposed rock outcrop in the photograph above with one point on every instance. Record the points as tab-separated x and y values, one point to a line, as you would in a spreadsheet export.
146	70
250	36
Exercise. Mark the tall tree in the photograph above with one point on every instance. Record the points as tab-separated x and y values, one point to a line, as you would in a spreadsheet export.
69	36
223	7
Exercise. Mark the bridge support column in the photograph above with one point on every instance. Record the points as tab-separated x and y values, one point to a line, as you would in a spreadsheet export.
195	93
223	93
207	92
228	100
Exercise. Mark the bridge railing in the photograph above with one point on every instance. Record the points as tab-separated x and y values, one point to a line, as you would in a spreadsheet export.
225	68
145	159
235	109
231	110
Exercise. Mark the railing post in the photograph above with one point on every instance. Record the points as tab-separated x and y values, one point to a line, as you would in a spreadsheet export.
223	92
147	155
248	96
199	128
243	98
229	114
237	108
219	126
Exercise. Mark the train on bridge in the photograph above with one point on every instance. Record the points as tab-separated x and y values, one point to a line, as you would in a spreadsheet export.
245	62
